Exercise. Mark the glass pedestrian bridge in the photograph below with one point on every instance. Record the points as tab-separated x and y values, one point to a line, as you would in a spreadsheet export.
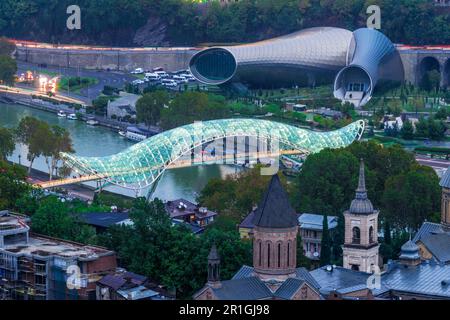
140	165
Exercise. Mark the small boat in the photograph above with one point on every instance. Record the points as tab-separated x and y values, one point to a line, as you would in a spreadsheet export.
122	133
61	114
72	116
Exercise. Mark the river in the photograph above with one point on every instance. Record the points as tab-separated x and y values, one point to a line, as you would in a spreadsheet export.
99	141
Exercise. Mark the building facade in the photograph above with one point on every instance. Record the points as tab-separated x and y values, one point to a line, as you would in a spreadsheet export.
274	274
360	249
35	267
354	61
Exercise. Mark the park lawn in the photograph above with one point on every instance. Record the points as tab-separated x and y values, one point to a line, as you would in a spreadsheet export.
76	83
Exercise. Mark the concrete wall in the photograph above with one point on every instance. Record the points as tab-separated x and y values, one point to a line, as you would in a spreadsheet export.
112	59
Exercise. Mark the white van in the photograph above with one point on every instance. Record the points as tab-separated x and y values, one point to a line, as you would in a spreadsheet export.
152	76
162	74
137	71
180	79
169	83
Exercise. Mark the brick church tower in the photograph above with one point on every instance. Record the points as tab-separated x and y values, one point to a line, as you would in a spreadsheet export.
275	235
361	246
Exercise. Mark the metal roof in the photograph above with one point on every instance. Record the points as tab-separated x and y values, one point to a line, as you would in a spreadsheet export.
339	278
361	204
424	279
445	180
315	221
426	228
274	210
103	219
288	288
251	288
438	244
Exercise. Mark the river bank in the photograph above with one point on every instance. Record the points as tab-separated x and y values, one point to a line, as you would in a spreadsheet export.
39	104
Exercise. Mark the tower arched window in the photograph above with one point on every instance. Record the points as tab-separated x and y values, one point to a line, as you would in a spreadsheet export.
371	238
279	255
356	235
268	255
260	252
289	253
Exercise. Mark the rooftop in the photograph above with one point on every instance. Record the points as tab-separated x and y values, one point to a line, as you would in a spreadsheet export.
315	221
439	245
361	204
245	285
428	278
445	180
103	219
12	224
274	210
334	278
43	247
125	99
182	207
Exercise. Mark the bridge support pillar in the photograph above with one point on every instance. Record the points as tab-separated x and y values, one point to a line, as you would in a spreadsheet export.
224	151
153	187
247	150
235	150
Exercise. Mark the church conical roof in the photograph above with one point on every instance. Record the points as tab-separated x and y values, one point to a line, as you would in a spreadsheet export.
274	210
361	204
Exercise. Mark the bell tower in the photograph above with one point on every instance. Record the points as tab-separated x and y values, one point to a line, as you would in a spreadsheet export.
275	235
361	246
214	268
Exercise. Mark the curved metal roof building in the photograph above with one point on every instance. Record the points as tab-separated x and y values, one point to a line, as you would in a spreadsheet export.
143	163
309	56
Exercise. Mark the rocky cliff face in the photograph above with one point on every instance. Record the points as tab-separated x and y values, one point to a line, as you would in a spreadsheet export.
153	33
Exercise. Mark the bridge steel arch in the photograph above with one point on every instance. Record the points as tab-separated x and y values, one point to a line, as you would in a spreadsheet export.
140	165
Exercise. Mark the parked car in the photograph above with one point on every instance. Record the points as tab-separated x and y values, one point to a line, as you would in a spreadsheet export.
137	82
152	77
169	83
137	71
162	74
188	77
180	79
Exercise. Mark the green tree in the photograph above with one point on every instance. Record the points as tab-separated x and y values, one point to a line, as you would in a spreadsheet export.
7	144
422	128
58	141
149	106
6	47
55	219
436	129
325	246
407	130
100	105
8	69
236	195
188	107
411	197
12	184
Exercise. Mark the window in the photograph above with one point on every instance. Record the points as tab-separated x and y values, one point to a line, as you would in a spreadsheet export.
289	254
260	253
356	239
355	267
371	239
279	255
268	255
